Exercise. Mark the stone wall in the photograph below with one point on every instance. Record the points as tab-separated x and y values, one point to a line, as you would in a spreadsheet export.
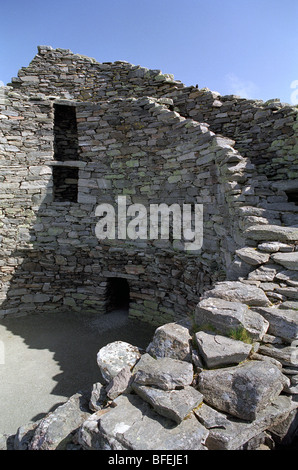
129	139
154	155
266	132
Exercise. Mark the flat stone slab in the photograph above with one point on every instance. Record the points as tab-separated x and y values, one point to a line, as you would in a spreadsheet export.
114	356
252	256
286	355
265	273
171	340
288	260
225	316
230	434
272	233
217	350
134	425
173	404
165	373
289	276
244	390
282	322
235	291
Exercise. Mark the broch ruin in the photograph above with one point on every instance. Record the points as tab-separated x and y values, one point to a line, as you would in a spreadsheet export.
221	371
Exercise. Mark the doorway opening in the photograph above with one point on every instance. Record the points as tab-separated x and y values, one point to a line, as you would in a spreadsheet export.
117	294
292	196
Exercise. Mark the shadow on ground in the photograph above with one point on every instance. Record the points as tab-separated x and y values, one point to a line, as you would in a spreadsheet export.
49	357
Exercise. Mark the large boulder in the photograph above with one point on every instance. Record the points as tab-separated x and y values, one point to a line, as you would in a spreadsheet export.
236	291
165	373
173	404
114	356
171	340
218	351
244	390
225	316
133	425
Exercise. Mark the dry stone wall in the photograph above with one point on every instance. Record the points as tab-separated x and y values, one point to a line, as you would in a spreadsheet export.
129	139
76	134
266	132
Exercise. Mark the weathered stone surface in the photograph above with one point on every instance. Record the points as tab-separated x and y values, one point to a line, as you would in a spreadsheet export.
288	260
165	373
289	305
171	340
255	356
120	383
114	356
24	435
272	233
217	350
89	436
292	387
225	316
226	433
242	391
133	425
285	429
98	397
235	291
282	323
173	404
273	247
286	355
289	276
56	430
265	273
252	256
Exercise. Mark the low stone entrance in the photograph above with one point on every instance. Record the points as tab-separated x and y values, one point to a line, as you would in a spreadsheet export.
117	294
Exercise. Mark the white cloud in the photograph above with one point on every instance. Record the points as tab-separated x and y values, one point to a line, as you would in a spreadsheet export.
1	83
243	88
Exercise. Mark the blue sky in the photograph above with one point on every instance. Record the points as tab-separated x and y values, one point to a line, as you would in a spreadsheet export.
245	47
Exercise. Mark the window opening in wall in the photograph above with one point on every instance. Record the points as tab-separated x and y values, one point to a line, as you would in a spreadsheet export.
65	183
117	294
65	133
293	196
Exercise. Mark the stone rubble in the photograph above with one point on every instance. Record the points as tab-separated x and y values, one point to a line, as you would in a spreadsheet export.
233	402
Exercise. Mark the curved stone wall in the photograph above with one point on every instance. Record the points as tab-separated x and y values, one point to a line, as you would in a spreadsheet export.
133	142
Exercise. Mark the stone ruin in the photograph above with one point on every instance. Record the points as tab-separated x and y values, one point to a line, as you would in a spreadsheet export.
75	133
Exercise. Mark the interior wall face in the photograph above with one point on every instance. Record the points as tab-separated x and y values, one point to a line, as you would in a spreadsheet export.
55	257
76	134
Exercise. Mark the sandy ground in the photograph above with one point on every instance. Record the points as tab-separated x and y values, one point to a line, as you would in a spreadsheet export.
44	359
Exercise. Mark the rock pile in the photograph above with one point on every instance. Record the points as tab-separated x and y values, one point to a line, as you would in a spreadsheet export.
190	390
